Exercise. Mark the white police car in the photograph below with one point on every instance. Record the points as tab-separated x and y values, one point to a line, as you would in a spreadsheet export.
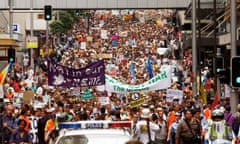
94	132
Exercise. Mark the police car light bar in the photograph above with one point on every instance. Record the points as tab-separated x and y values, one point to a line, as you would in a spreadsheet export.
95	124
120	124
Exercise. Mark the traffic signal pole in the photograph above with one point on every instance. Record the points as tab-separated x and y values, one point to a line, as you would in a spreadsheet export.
31	34
234	96
194	49
47	37
47	17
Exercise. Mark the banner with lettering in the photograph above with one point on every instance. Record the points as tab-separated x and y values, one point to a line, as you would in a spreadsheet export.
160	81
137	102
174	93
91	75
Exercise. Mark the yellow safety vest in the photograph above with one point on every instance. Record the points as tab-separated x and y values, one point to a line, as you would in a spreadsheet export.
212	130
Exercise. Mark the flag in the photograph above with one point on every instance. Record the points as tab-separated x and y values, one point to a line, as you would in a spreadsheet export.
131	69
215	101
149	67
3	73
202	95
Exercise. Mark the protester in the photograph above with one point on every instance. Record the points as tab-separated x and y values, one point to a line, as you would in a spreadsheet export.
9	122
20	135
161	135
146	129
41	126
228	116
24	115
188	130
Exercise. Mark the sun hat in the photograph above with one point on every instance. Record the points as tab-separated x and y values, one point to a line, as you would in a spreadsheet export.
145	113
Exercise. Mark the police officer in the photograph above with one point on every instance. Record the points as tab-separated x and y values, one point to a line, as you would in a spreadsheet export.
218	130
173	128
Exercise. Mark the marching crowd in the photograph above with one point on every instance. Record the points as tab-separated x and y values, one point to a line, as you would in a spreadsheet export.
33	108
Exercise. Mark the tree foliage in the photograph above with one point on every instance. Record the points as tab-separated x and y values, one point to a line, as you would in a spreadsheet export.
66	20
57	27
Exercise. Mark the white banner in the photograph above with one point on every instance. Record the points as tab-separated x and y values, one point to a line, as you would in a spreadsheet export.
104	34
160	81
172	93
104	100
83	45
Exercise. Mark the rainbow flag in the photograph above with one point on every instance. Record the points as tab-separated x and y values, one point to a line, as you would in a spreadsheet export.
3	75
4	72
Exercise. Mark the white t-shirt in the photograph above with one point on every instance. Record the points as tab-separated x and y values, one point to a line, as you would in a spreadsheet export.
30	73
142	131
39	91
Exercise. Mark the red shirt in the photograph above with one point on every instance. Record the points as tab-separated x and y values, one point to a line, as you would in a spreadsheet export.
16	86
208	85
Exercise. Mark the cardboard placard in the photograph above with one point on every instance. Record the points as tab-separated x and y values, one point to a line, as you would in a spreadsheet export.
27	96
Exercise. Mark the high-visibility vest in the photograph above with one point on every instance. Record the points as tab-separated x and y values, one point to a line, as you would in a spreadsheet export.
212	130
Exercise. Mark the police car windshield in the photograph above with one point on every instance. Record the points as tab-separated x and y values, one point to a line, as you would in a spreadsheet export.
94	139
78	139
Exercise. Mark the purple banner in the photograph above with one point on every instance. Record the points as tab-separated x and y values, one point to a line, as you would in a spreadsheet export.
91	75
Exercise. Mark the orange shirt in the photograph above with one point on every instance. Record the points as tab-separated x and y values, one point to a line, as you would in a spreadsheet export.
50	125
207	113
27	122
9	95
171	118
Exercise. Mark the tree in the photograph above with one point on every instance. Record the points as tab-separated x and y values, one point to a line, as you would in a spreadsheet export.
57	27
67	20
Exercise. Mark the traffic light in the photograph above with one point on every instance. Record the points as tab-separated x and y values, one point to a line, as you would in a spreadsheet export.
174	21
11	55
235	73
219	64
201	59
48	12
224	76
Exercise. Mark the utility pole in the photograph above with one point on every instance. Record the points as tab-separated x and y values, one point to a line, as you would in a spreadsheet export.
194	49
31	51
10	3
217	52
47	36
234	93
47	17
